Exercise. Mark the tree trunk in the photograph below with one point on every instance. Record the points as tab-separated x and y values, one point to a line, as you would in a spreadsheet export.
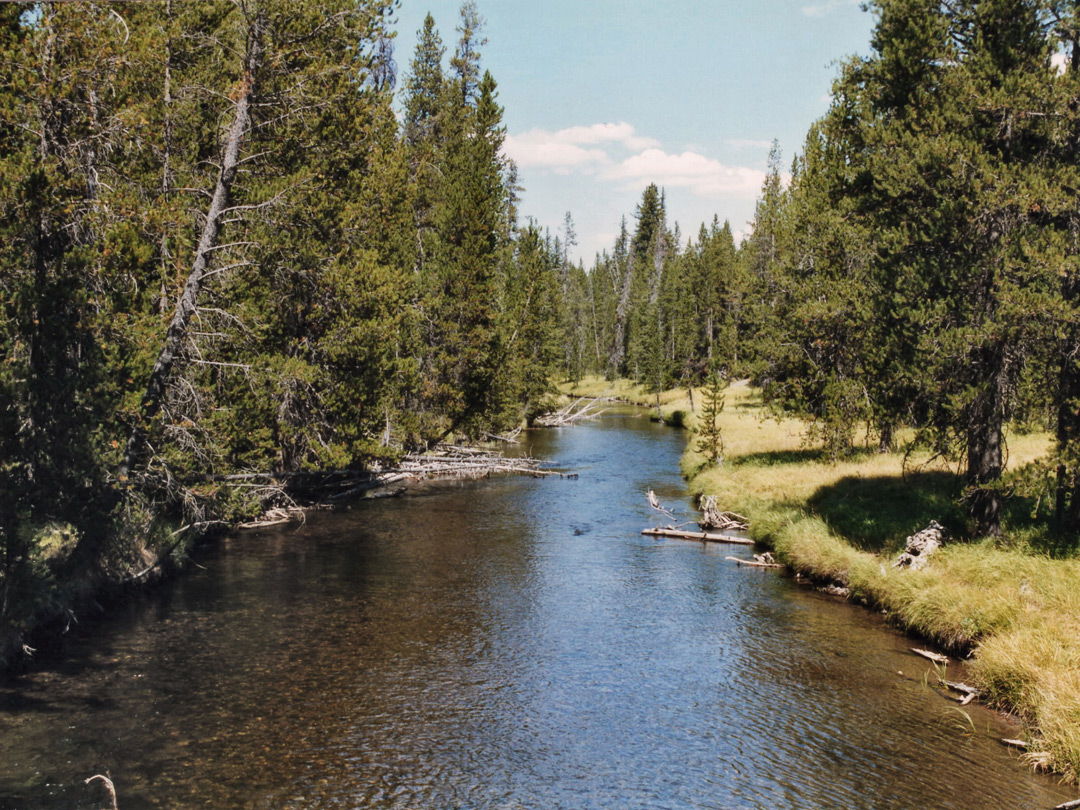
984	440
187	304
885	437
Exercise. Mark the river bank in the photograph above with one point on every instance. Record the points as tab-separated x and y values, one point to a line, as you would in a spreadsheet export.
51	597
1010	605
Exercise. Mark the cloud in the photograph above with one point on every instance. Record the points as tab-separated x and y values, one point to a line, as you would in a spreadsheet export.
1059	61
528	152
581	147
697	173
823	9
622	133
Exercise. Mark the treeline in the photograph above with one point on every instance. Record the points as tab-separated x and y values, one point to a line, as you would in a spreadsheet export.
654	310
920	270
224	255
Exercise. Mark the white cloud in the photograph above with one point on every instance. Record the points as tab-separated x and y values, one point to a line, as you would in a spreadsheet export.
531	150
606	133
689	170
567	149
822	9
1058	60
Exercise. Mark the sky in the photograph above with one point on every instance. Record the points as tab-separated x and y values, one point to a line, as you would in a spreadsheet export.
603	97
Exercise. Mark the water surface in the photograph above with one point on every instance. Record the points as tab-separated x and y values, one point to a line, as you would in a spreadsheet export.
509	643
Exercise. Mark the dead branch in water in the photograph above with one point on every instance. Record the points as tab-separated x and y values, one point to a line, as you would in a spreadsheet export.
574	412
275	517
654	502
937	658
757	563
506	438
466	462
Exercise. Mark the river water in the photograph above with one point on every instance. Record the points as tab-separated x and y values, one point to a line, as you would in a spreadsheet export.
511	643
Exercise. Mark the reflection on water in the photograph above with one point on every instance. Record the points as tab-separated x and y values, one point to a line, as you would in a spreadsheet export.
511	643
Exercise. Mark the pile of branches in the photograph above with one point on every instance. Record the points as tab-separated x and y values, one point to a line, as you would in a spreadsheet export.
713	518
452	461
574	412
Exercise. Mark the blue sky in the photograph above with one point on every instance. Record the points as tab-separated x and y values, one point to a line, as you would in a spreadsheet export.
603	97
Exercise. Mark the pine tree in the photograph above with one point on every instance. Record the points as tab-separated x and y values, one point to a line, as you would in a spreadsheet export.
760	253
711	439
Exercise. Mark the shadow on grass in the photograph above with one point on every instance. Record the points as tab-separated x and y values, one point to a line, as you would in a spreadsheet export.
803	455
778	457
877	514
1031	529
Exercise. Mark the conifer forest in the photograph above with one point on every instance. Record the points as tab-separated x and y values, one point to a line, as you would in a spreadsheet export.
245	238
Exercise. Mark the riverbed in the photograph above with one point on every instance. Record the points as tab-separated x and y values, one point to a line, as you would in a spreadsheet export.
506	643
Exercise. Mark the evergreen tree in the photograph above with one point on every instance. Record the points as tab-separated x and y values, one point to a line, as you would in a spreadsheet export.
761	255
711	439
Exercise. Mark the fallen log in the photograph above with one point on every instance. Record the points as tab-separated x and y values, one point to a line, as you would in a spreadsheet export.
754	563
712	538
506	438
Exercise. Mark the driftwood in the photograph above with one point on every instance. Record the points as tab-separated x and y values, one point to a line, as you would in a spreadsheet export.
920	546
574	412
506	438
969	693
654	502
937	658
1075	803
467	463
713	518
759	561
1015	744
275	517
713	538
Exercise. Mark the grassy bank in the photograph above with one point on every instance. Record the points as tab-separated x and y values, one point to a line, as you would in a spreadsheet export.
1014	604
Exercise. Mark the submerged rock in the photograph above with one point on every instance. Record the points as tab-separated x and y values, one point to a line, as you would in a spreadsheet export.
920	546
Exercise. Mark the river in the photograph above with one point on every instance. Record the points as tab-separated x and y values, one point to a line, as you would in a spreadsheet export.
508	643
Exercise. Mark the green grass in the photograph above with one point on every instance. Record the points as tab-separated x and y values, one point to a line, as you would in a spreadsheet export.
1014	603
